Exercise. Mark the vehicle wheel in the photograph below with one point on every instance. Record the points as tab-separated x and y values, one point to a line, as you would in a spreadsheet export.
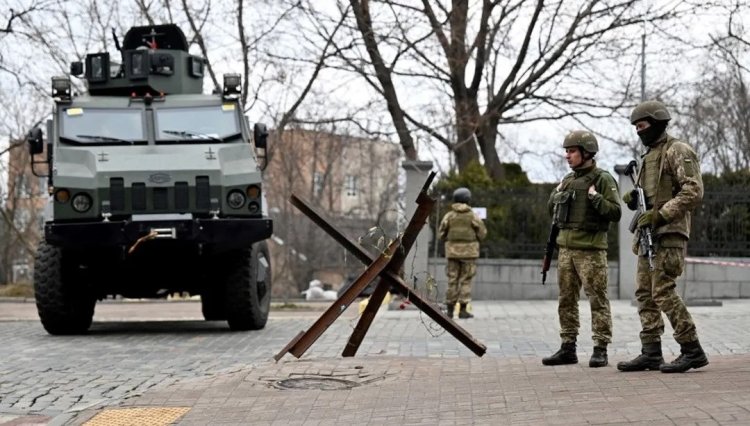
64	305
248	288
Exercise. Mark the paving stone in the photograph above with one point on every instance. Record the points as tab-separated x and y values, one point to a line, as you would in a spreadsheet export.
180	358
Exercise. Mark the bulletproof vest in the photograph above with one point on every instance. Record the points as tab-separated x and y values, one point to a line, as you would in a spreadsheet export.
658	187
574	210
460	229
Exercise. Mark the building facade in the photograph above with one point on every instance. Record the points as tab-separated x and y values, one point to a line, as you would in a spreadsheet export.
353	181
21	208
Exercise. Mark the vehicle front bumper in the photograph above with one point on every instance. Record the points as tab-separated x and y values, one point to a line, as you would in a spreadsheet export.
227	233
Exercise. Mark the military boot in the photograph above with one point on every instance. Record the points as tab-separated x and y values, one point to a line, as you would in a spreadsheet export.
599	357
691	356
463	313
449	309
566	355
649	359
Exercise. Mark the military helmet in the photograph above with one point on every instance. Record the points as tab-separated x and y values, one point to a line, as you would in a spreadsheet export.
654	110
582	138
462	195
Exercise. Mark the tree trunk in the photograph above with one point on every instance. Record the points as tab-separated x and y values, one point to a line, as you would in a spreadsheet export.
487	136
467	117
383	73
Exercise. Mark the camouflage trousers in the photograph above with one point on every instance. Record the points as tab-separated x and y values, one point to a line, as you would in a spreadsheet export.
588	269
656	293
460	272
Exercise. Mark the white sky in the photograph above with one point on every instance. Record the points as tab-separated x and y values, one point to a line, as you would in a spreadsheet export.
536	145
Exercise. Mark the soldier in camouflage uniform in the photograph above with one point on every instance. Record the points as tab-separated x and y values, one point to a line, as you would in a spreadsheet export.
671	180
583	205
461	229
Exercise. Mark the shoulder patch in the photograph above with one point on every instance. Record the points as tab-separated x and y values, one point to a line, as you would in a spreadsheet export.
689	167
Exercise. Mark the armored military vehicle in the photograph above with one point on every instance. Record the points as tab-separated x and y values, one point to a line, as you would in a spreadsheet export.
155	188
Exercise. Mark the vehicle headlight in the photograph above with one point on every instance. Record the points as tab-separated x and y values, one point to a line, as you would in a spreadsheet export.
236	199
62	195
253	207
253	191
81	202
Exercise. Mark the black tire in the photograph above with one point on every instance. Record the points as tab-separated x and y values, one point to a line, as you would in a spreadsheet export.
248	288
64	305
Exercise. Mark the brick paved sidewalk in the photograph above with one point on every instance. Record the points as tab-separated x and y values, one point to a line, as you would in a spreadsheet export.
161	356
491	391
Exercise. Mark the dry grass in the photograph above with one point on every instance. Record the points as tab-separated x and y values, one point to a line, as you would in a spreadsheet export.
17	290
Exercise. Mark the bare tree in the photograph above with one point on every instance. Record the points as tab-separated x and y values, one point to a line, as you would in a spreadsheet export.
496	62
736	38
282	50
715	114
12	15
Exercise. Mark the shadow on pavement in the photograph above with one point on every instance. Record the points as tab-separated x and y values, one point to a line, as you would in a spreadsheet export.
158	327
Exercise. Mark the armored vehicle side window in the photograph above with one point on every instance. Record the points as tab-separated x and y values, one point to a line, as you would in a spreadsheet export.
97	126
218	123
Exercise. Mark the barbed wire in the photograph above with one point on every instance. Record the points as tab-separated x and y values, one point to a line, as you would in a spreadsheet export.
421	283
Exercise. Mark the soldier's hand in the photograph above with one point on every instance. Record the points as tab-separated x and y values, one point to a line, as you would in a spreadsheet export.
645	219
651	219
631	199
593	195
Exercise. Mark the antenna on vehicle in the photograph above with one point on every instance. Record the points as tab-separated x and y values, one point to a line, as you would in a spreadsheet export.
117	41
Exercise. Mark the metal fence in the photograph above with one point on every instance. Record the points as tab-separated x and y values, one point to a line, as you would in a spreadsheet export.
518	223
721	225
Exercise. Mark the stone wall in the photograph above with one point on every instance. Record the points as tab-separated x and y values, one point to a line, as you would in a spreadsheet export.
521	279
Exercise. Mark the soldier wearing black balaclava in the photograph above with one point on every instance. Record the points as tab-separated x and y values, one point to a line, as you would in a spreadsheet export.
671	180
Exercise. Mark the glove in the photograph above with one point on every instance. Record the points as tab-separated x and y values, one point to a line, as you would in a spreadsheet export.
654	220
631	199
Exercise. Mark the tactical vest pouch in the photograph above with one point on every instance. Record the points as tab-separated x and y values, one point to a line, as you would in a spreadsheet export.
562	201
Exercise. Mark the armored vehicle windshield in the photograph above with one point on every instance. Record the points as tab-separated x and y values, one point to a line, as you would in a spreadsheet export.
99	126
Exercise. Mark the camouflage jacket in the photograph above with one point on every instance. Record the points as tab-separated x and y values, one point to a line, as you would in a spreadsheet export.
461	229
671	180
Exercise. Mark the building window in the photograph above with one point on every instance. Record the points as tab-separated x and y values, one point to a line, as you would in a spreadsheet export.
350	185
317	183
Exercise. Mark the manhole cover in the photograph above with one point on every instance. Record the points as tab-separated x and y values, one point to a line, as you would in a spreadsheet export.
317	383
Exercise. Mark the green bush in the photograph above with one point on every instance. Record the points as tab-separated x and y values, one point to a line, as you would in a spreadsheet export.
17	290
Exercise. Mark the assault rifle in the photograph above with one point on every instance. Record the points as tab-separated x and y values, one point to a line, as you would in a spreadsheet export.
645	238
549	249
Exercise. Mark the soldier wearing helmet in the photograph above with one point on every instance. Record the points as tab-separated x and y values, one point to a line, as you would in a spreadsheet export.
654	117
583	205
671	180
461	229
